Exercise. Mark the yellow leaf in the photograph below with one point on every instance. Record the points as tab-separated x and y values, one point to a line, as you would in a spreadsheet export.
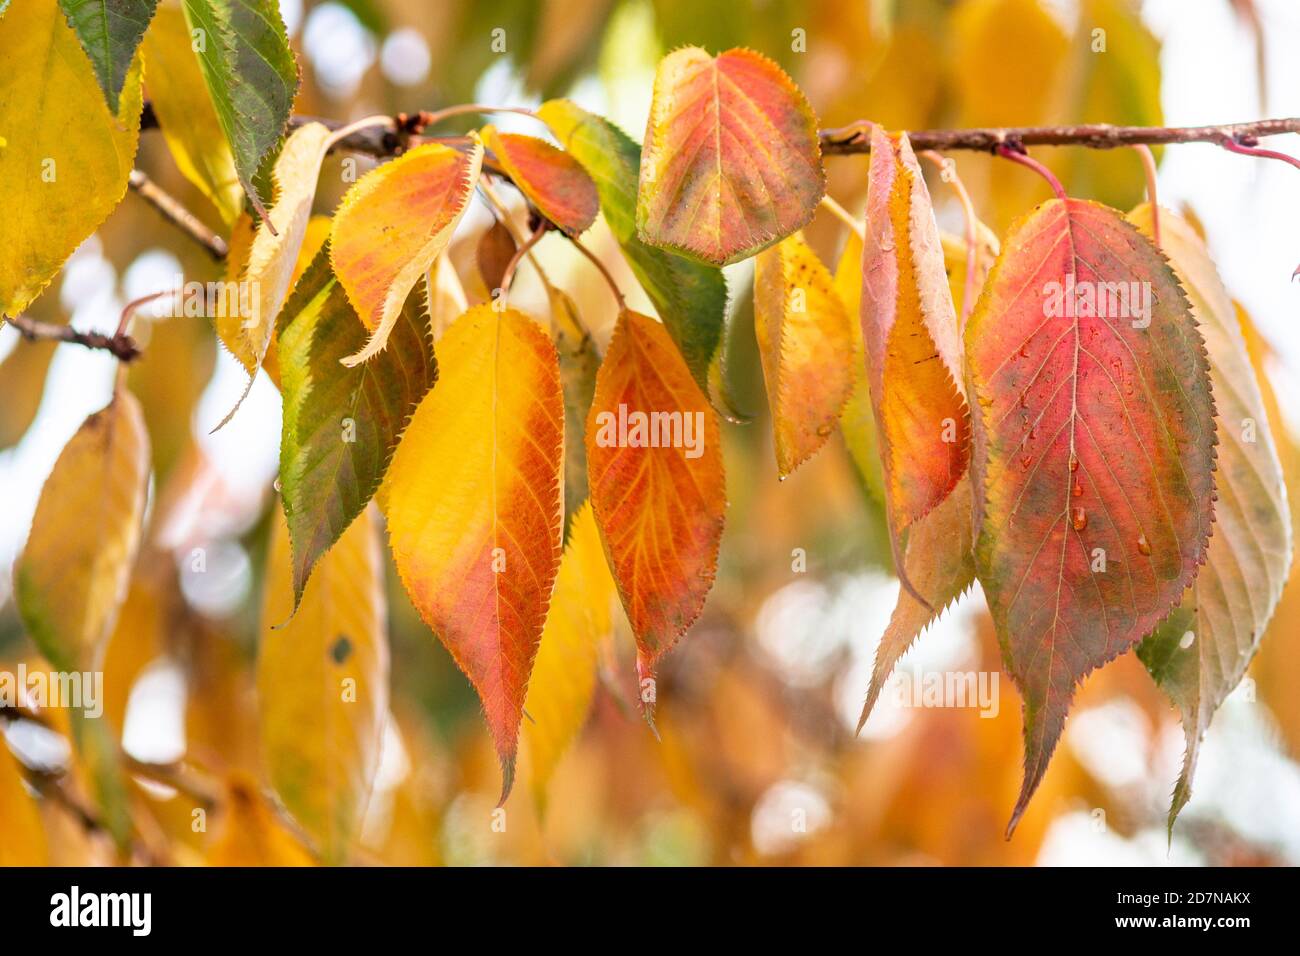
65	159
475	506
72	575
24	836
564	673
250	834
273	257
805	342
185	114
322	682
392	225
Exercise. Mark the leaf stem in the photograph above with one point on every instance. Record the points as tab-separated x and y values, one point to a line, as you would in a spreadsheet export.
1024	159
844	216
601	268
1149	168
508	277
948	173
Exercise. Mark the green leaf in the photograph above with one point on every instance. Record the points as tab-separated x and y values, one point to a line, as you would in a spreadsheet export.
341	425
690	297
251	75
109	31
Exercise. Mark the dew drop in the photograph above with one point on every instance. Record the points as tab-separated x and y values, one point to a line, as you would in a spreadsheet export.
1079	518
1074	462
1024	350
1144	545
825	429
1026	461
1077	490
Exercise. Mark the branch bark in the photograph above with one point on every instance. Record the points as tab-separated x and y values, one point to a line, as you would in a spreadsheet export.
177	214
119	344
855	138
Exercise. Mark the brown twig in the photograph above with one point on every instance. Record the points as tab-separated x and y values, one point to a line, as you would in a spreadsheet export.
120	345
177	214
855	137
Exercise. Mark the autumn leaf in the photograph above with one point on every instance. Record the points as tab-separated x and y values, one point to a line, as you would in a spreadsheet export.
186	116
564	673
322	678
58	186
72	575
24	842
391	226
732	162
1202	651
804	335
1094	452
251	834
690	298
552	180
341	425
475	507
654	460
24	372
110	32
857	420
940	566
273	255
910	337
251	76
493	254
579	363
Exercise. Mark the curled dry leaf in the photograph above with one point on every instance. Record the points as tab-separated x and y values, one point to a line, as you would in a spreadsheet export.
391	226
475	506
1201	652
732	162
911	343
1094	452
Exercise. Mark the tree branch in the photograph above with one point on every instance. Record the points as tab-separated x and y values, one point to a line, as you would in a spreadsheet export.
855	138
177	214
119	344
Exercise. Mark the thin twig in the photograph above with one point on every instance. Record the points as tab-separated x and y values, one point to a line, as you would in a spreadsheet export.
600	266
855	138
120	345
177	214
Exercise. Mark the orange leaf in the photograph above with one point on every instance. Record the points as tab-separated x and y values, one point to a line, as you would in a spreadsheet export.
475	507
805	341
392	225
654	460
731	162
909	330
1094	452
553	180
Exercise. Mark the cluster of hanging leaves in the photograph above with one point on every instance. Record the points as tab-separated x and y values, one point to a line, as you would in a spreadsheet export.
1111	484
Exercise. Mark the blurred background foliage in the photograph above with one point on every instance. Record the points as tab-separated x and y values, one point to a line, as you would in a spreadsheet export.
758	762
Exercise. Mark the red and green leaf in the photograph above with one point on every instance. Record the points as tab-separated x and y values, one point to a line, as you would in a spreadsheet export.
1094	455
